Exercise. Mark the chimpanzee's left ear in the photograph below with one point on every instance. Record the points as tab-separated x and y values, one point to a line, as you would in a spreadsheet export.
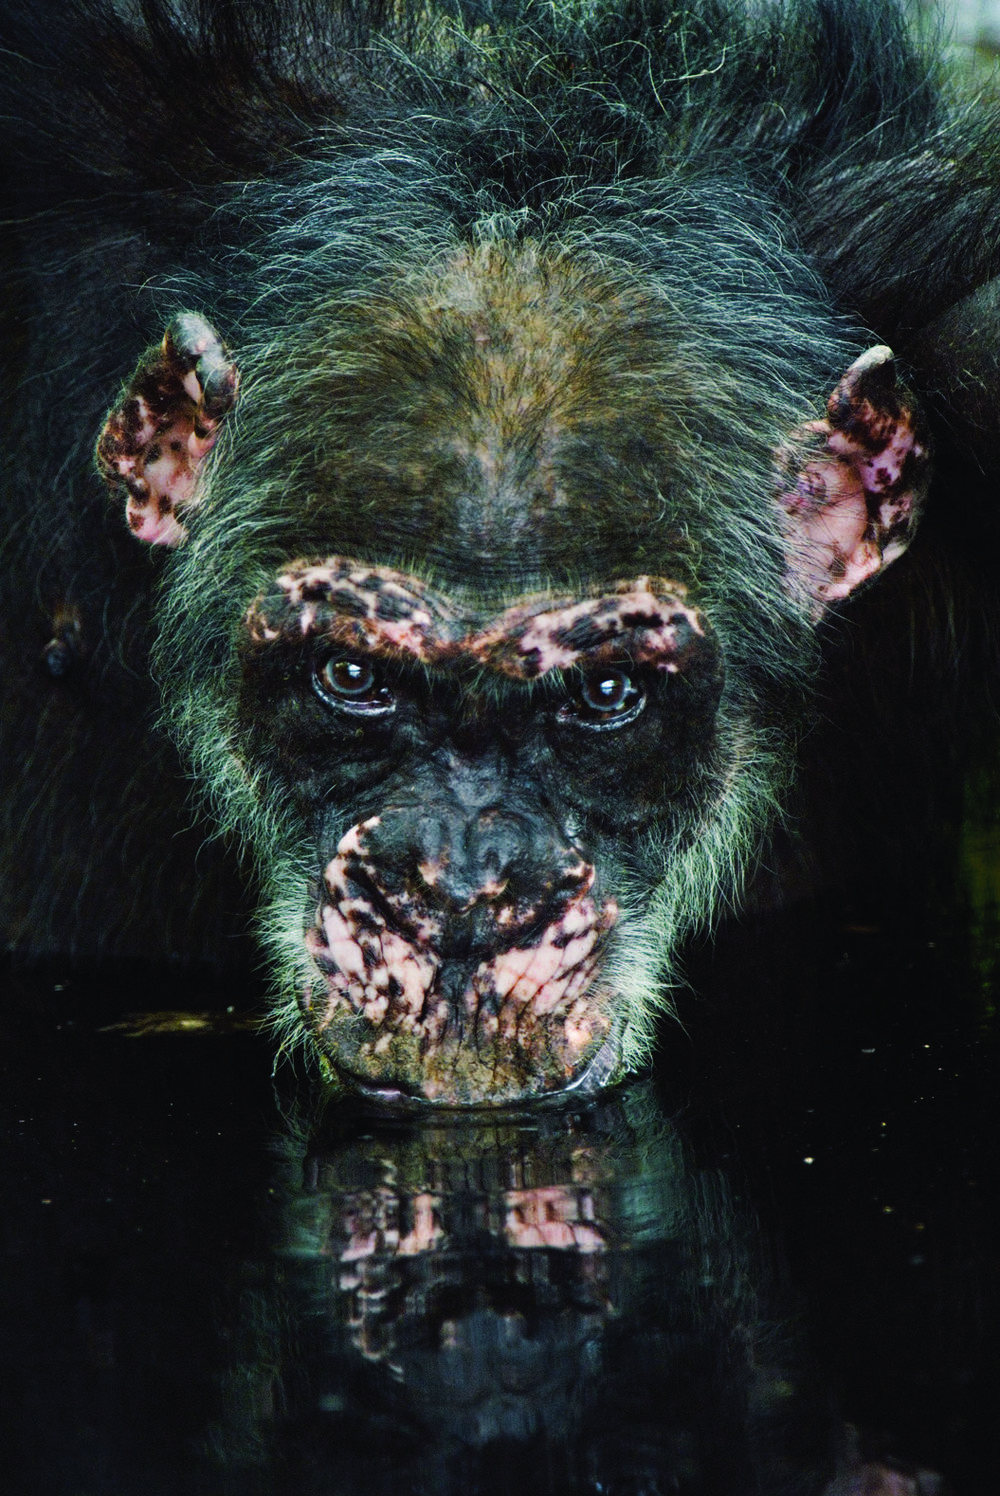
852	484
166	422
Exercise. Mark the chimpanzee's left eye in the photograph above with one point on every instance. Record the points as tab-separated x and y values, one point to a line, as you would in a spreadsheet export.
353	684
607	697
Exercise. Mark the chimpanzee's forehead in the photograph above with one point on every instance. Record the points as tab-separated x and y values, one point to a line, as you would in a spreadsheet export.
514	410
383	611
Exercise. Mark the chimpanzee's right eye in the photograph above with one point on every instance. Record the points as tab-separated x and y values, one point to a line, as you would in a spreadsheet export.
354	684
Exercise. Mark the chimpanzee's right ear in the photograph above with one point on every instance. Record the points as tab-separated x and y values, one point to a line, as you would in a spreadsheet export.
156	438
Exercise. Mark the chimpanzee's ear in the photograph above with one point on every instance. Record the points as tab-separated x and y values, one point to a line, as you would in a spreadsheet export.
164	425
852	484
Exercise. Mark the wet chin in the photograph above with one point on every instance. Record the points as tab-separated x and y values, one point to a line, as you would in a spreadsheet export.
476	1049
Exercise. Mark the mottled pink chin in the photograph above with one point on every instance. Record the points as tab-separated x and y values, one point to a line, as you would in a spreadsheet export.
392	1013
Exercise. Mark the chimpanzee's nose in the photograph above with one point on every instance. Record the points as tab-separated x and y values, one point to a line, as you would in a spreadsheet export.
462	859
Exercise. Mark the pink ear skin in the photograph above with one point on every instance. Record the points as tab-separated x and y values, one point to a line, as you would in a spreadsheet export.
156	438
855	482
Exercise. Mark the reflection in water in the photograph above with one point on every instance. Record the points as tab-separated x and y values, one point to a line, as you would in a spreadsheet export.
555	1304
545	1304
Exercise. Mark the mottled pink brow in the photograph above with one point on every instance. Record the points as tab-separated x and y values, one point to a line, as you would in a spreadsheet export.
384	612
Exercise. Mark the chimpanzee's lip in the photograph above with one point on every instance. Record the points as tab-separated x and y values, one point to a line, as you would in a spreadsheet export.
594	1078
599	1072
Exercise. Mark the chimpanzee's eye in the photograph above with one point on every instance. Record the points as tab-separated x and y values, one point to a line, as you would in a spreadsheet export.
352	684
606	697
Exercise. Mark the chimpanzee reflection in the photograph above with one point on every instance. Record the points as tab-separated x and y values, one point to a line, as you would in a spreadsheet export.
552	1303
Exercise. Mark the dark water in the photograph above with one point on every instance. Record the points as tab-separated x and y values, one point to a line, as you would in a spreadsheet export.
703	1284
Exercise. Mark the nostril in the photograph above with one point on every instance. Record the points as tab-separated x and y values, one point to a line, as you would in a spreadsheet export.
433	838
495	845
451	860
459	860
432	848
463	858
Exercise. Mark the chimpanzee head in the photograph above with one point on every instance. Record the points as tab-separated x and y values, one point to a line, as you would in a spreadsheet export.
488	625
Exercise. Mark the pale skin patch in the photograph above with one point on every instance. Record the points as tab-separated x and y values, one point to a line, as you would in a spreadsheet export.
649	618
154	442
382	959
375	605
387	614
854	501
534	974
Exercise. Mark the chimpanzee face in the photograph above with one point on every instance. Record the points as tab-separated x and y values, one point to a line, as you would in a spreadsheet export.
485	639
463	929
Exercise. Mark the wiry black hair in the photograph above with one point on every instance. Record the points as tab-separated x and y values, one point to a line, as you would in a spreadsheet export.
606	87
513	108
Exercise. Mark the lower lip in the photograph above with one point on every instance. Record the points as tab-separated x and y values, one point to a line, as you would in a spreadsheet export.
591	1080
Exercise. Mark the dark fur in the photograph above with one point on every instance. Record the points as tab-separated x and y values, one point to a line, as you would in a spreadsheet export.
272	165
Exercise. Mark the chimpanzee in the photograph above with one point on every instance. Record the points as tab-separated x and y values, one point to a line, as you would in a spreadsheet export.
517	402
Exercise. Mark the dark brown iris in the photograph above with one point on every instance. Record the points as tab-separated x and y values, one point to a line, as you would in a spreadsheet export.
353	683
606	697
